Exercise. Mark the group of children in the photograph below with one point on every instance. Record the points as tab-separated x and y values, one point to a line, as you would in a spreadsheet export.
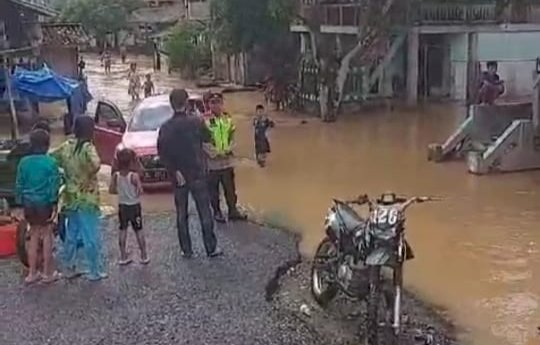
38	184
134	85
38	192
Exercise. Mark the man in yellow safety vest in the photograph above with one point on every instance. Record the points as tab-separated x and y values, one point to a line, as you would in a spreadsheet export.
221	160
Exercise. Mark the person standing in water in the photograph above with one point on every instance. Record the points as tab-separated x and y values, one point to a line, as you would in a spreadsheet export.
81	65
107	61
134	85
123	53
261	124
148	86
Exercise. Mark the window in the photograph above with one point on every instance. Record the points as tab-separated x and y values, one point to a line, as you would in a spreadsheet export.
105	113
150	119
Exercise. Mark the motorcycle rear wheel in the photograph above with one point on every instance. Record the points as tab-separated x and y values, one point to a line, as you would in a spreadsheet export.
323	288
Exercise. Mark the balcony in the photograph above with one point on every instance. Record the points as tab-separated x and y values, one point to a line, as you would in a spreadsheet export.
427	14
348	12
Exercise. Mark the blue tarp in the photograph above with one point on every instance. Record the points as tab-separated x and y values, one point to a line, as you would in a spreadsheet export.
43	85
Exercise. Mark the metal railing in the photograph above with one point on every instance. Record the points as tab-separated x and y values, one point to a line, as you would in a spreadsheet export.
348	12
454	13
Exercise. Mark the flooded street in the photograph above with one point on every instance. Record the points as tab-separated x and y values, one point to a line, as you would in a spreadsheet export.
477	251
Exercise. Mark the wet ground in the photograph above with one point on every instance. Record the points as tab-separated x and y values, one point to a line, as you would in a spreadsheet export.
170	301
198	301
477	251
343	321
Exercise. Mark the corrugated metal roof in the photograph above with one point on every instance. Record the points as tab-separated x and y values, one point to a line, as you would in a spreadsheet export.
63	34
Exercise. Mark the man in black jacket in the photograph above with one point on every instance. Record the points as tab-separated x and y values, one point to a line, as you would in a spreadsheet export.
180	148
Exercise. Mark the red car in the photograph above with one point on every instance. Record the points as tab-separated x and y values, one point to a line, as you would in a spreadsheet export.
138	132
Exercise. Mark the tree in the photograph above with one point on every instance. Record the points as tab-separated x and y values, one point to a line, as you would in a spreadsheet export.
99	17
189	48
334	62
241	26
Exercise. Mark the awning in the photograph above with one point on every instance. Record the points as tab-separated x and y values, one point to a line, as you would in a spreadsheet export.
43	85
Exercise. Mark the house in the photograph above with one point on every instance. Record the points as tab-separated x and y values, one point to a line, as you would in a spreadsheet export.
155	18
244	68
60	47
20	30
28	36
198	9
435	49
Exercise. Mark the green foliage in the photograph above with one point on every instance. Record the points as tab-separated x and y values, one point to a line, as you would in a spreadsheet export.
98	17
239	25
188	47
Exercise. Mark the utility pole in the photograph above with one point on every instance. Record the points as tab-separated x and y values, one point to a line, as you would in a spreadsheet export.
7	78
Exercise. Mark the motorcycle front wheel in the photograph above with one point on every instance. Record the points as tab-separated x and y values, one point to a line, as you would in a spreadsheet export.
378	323
323	269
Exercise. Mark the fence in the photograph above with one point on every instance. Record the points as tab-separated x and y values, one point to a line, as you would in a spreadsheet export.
308	85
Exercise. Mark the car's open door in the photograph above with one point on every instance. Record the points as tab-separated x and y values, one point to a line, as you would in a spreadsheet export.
110	126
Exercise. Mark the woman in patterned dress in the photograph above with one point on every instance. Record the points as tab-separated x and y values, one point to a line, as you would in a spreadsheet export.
80	162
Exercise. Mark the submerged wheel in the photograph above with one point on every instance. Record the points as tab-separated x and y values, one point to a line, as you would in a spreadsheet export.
323	285
22	238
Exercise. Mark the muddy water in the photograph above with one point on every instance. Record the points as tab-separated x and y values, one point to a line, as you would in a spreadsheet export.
477	251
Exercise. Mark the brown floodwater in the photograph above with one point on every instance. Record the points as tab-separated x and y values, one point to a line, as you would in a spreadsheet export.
477	251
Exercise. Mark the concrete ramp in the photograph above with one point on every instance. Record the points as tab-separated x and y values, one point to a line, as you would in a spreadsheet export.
517	149
453	145
482	127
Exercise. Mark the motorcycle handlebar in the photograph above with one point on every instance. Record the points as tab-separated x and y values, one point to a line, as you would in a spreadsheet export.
364	199
359	200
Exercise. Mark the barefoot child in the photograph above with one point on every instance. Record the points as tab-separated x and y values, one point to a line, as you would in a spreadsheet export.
37	186
134	82
261	123
127	184
148	86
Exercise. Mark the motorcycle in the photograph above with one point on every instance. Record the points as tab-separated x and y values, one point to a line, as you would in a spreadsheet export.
356	253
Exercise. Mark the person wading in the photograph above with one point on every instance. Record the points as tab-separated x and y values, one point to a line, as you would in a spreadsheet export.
221	160
180	148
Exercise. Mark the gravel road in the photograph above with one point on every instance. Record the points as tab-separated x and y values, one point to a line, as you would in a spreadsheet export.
178	301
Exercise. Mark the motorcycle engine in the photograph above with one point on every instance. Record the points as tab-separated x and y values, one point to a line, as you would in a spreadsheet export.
345	272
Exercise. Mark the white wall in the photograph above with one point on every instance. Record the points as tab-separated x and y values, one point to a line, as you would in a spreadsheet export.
458	65
516	53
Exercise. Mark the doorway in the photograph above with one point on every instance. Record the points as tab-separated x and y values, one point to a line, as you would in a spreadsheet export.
434	67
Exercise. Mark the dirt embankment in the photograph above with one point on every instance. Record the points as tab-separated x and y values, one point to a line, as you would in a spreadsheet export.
343	321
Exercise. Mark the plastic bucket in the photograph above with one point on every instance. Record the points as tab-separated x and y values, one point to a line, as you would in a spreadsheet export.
8	240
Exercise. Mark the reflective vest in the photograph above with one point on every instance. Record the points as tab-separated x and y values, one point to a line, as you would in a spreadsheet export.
222	130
